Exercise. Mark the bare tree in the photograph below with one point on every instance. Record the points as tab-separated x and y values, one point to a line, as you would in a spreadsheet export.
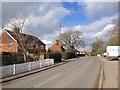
17	25
72	38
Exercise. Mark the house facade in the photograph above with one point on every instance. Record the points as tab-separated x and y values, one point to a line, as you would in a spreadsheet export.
10	42
56	47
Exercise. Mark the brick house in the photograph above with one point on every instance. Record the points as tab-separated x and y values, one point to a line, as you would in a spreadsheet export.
87	53
9	42
56	47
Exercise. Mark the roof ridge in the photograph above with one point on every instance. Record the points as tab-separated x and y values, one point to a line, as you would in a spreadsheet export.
34	37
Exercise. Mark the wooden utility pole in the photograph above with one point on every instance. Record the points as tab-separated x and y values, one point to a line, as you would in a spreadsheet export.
60	35
96	39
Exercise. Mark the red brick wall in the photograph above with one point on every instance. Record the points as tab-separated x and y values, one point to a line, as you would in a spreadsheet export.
56	48
6	39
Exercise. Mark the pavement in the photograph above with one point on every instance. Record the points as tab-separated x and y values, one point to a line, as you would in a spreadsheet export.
110	74
80	73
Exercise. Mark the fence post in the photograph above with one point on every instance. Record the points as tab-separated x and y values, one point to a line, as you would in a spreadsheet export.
49	63
29	66
40	63
52	61
14	69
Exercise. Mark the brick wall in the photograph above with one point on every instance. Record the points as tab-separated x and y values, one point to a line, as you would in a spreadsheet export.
6	46
56	48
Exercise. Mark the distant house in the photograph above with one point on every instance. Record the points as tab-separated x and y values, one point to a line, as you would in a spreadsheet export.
57	48
11	43
87	53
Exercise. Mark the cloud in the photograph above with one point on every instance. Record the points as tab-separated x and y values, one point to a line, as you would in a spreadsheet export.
95	10
49	17
106	30
47	42
45	19
44	16
98	28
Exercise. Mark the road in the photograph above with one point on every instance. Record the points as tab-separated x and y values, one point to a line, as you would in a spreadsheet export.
83	72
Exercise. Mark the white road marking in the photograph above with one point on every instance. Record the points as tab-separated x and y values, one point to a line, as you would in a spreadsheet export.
57	75
47	81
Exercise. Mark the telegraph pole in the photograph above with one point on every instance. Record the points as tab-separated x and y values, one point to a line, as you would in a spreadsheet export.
60	35
96	39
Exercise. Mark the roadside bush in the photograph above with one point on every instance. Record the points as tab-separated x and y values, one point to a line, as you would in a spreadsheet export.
49	55
8	58
68	55
57	57
13	58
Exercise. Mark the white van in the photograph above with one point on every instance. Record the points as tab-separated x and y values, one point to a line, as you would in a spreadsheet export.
113	52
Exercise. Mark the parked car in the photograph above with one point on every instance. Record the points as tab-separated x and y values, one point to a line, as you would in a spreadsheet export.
104	54
98	55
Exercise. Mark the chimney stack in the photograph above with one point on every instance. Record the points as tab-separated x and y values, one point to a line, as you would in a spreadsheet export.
16	30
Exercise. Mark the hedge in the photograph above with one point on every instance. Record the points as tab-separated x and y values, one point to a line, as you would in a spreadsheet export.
12	58
57	56
48	55
68	55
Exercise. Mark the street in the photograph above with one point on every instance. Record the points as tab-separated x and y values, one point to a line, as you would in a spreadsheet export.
82	72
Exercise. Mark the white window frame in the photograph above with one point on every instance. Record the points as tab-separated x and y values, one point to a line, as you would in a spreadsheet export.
36	46
42	46
10	45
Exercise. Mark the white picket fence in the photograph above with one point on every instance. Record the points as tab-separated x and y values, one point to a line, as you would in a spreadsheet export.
20	68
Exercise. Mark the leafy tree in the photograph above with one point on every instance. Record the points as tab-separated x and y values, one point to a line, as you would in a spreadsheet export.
113	41
98	47
71	49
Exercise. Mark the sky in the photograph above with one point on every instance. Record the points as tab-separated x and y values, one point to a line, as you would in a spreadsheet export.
93	19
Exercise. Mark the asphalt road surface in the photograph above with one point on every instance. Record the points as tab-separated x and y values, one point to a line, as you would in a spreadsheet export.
83	72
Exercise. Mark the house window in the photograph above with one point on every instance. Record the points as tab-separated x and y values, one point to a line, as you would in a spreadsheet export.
10	45
36	45
42	46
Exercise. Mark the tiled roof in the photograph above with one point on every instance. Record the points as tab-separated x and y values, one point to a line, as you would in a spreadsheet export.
27	38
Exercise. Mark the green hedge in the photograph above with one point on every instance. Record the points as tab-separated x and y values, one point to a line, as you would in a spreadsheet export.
57	56
68	55
49	55
12	58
